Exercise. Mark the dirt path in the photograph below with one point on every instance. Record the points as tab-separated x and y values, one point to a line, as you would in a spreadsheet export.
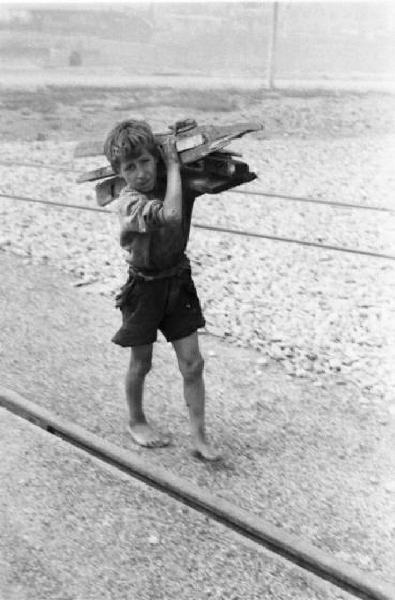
106	536
318	462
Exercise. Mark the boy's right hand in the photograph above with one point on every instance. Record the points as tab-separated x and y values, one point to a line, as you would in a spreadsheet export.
169	151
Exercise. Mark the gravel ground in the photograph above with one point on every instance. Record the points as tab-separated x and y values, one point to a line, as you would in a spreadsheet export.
104	536
317	311
323	319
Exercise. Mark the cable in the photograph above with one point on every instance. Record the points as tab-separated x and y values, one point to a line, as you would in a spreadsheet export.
214	228
305	199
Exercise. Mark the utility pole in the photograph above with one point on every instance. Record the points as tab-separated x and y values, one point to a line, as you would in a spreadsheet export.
272	47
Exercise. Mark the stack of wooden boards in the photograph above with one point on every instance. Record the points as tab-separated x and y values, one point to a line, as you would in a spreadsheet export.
205	165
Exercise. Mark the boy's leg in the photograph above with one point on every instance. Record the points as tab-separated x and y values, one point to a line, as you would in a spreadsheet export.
191	366
140	430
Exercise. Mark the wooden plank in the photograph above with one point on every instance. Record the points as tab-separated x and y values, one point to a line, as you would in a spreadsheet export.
100	173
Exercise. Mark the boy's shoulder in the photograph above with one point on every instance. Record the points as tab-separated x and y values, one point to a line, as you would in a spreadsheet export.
130	200
129	192
132	196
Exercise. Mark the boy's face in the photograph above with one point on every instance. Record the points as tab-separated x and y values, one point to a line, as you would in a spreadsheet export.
140	172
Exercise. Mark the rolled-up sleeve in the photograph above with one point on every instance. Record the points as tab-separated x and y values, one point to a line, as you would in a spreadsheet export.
139	214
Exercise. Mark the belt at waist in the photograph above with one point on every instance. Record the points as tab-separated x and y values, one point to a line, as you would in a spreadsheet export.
135	274
152	275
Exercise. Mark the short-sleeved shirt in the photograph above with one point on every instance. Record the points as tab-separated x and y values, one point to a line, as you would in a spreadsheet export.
151	244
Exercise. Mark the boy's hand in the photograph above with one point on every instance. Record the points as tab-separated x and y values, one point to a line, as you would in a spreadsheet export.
169	151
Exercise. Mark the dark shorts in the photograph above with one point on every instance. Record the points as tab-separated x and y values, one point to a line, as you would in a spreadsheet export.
170	304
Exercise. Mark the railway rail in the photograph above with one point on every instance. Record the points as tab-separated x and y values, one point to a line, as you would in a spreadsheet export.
213	228
255	192
297	551
218	229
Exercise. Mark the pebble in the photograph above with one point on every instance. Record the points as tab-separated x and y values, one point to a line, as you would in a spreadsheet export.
262	362
390	487
153	539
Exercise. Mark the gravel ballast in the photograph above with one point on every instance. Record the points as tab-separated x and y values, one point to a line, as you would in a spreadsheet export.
316	310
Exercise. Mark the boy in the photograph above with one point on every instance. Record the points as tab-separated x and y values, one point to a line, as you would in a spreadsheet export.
155	210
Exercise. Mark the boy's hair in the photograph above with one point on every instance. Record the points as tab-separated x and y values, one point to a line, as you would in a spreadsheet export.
127	140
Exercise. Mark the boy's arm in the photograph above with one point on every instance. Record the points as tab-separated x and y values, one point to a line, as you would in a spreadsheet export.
172	203
139	215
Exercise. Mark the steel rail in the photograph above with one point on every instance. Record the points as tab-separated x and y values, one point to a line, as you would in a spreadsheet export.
55	203
216	228
312	200
9	163
293	241
347	577
288	197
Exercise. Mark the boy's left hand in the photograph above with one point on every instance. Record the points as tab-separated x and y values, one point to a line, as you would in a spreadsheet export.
169	151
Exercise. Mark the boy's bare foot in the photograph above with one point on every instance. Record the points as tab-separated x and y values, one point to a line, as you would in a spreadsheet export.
145	435
204	451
